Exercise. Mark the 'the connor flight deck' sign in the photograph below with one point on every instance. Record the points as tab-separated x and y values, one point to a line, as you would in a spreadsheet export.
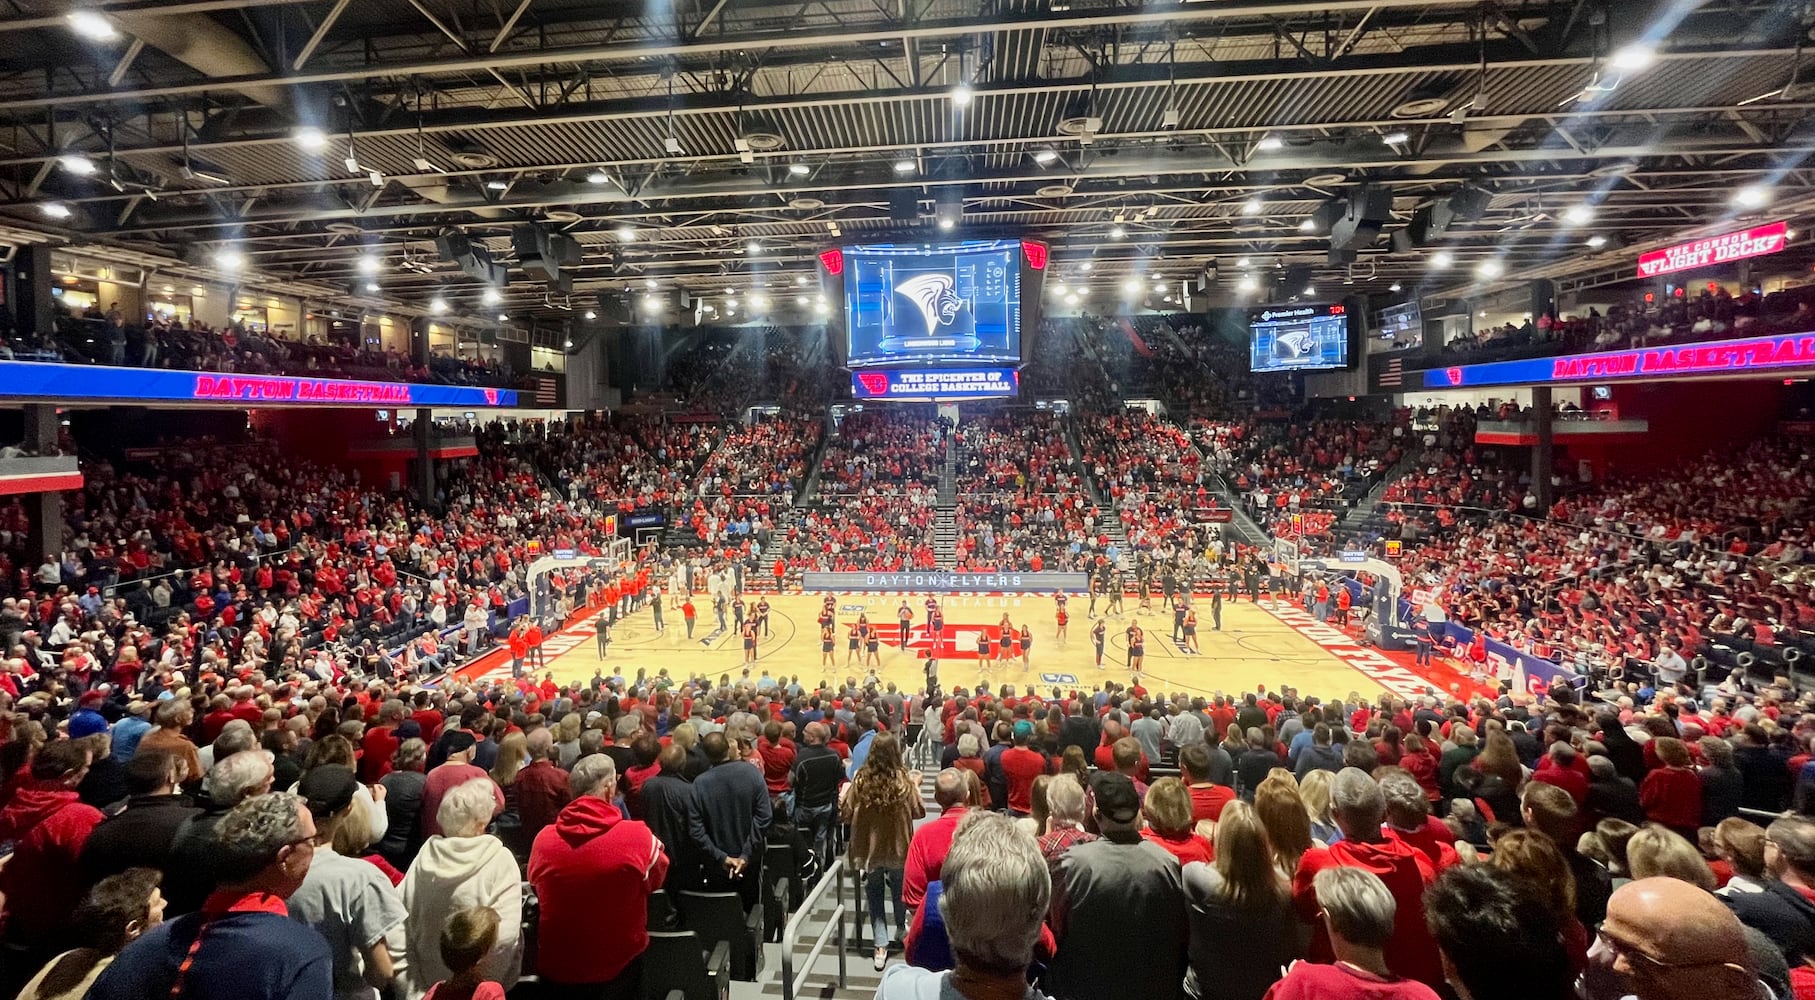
1755	242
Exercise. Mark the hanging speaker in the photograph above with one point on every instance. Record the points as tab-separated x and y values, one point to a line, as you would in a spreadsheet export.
453	246
904	205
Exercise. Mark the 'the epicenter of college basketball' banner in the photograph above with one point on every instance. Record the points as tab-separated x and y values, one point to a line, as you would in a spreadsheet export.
1722	357
936	582
935	383
28	380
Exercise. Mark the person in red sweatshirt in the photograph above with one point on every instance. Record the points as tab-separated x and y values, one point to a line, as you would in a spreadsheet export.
1563	767
593	872
48	825
932	841
1672	794
1359	807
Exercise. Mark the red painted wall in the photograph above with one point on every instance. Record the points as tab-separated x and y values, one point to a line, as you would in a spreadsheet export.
1686	419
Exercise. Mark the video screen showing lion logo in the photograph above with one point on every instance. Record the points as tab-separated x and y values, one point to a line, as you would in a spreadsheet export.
935	297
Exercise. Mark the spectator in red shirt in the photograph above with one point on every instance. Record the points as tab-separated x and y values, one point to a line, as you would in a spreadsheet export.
1359	807
541	787
1409	819
778	753
1207	797
1021	764
1167	807
47	825
380	743
1358	920
933	840
1672	794
1566	769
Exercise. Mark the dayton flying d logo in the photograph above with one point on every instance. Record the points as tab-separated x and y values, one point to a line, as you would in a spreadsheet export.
933	294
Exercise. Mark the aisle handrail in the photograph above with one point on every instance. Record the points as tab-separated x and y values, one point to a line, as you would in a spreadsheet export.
832	877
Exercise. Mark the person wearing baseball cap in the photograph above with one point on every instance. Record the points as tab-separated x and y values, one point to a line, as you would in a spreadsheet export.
346	900
457	770
1118	888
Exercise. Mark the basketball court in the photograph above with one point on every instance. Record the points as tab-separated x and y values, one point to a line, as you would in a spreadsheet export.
1256	647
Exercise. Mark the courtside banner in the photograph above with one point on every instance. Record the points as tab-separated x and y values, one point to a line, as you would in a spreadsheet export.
1755	242
60	383
1721	357
937	582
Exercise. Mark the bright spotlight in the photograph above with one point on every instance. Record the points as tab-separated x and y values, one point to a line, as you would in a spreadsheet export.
77	164
1489	269
753	247
799	169
625	234
1597	241
598	177
1442	259
1045	156
229	259
1395	287
945	225
591	315
370	264
1633	58
1117	233
310	138
491	297
961	95
371	286
1579	215
1308	226
92	26
1252	206
904	166
437	305
1270	144
1395	138
1752	196
55	210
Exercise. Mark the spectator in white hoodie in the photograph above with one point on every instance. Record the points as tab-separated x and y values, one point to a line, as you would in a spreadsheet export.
462	867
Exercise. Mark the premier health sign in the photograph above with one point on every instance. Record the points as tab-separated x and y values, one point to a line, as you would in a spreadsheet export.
1755	242
935	383
32	381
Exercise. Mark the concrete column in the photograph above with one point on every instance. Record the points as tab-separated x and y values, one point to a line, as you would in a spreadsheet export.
1541	452
424	432
44	511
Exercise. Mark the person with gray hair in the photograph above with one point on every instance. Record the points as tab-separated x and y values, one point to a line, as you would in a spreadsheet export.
252	949
992	901
593	871
191	875
1358	917
462	868
1359	807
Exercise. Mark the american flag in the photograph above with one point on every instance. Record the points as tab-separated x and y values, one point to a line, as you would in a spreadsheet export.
548	393
1392	374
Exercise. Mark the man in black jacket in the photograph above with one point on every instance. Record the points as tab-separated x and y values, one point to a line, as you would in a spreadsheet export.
1079	730
818	772
1785	911
141	836
667	803
728	821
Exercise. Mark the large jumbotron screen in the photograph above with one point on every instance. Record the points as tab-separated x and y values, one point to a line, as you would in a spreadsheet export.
933	303
1298	337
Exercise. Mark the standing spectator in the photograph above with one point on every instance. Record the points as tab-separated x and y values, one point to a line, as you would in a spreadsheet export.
251	949
817	774
351	903
881	807
933	840
403	787
1167	809
1672	794
667	799
47	825
1360	808
475	621
464	867
994	894
1021	764
1319	756
142	835
112	915
1497	938
593	872
1358	917
456	770
1784	911
1117	888
1243	930
173	717
729	820
1256	762
381	743
191	876
467	940
1723	787
541	787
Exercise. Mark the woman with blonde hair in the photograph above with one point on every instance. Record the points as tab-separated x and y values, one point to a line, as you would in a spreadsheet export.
1500	757
1167	809
567	740
1243	929
881	804
1656	850
1281	811
1314	789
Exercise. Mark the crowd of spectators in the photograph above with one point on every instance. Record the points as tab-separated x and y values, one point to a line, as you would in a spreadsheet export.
110	337
1711	314
884	450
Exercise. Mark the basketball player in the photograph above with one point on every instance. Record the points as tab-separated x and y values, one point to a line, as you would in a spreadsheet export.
1095	588
905	615
1178	616
1097	634
932	608
762	615
1118	582
1137	646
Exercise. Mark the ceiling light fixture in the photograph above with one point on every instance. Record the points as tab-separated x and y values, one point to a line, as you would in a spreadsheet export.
437	305
589	315
310	138
598	177
77	164
370	264
1597	241
1396	138
1308	226
625	234
55	210
1045	156
1310	290
799	169
497	185
503	317
1752	196
491	297
1442	259
1269	144
945	225
1394	287
1579	215
1117	232
229	259
961	95
1252	206
92	26
1489	269
371	286
1633	58
753	247
904	166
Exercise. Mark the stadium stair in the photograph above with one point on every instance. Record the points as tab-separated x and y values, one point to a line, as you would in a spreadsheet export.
945	520
1241	525
809	487
1363	518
